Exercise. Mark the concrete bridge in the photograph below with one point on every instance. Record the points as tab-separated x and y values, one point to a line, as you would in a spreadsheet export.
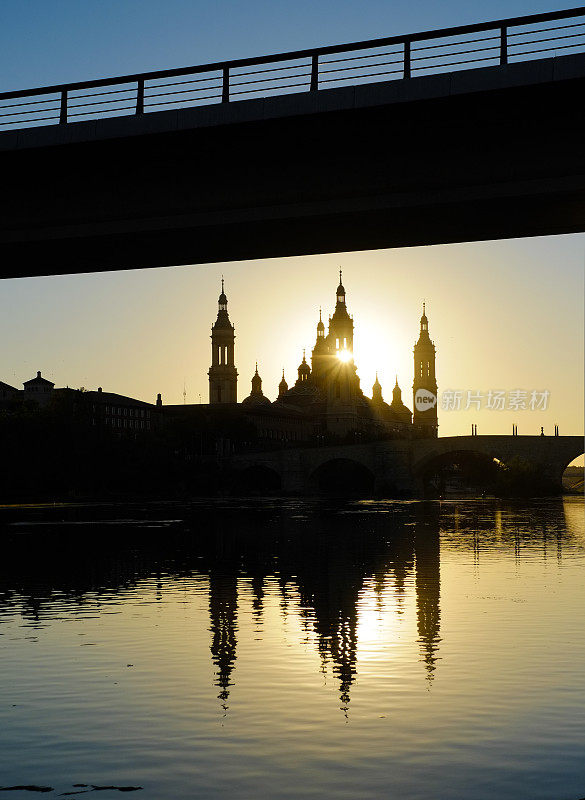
402	465
406	150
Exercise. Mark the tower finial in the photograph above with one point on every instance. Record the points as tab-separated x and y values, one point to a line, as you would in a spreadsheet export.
424	305
320	320
397	380
340	281
222	284
304	354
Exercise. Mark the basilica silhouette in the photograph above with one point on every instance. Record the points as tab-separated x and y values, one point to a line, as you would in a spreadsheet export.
326	399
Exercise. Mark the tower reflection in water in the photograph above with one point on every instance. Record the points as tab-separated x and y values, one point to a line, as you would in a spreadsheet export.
325	561
320	560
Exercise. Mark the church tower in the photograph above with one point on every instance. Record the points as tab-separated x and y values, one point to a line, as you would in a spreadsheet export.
425	383
321	360
340	336
223	376
343	384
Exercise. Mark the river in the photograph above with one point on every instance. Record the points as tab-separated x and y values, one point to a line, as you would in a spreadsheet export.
294	649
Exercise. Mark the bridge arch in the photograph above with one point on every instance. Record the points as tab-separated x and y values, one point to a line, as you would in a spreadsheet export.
346	477
573	484
458	469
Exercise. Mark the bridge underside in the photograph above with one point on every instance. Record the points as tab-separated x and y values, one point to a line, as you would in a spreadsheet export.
482	154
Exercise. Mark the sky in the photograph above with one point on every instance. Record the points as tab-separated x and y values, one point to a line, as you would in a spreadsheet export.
503	315
55	41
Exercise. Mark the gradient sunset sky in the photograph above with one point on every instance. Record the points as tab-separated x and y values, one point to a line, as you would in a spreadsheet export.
504	315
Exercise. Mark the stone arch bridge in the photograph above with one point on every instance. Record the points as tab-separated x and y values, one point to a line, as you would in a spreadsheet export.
402	464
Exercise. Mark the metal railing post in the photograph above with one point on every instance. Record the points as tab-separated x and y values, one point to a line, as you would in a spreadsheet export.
140	97
503	45
412	44
225	91
314	73
407	58
63	111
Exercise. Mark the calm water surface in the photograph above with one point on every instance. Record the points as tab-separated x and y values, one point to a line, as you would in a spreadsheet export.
289	649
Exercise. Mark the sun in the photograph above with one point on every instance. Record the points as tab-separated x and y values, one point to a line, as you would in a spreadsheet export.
344	355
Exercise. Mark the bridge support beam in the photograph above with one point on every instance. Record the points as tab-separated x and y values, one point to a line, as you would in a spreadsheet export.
293	175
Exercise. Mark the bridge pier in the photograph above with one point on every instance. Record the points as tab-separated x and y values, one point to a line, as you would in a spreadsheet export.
392	470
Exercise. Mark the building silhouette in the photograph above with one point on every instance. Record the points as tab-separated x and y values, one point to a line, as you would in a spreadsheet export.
223	376
325	404
326	401
39	389
425	382
102	411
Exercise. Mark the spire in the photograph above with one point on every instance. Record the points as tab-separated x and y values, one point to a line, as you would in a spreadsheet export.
256	382
304	369
282	387
320	328
340	291
424	323
377	391
222	301
396	394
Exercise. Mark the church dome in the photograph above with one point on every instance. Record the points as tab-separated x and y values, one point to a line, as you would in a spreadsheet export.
302	395
256	400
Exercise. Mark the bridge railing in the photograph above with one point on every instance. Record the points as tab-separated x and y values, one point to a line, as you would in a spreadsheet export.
390	58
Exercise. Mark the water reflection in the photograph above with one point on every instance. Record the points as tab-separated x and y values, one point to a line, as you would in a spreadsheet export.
428	592
223	617
322	558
